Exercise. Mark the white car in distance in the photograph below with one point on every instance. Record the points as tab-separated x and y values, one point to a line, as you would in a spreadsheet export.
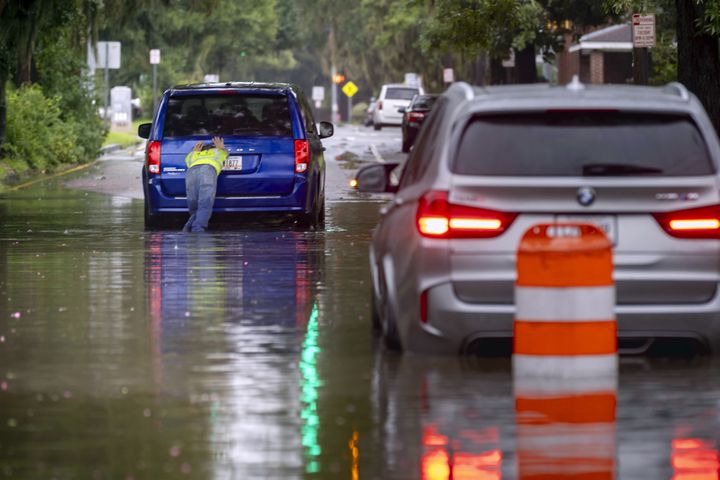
393	96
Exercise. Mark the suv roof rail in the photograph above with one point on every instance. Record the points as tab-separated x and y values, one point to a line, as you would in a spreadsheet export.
463	89
677	88
575	84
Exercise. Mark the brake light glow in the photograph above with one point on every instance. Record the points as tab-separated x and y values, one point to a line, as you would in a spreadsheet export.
703	222
152	156
415	116
302	156
699	224
438	218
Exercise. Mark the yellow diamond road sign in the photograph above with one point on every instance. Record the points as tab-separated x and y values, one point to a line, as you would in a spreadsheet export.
350	89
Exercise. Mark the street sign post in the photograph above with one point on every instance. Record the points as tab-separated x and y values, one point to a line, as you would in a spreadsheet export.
643	30
154	61
108	57
643	35
318	95
448	75
349	89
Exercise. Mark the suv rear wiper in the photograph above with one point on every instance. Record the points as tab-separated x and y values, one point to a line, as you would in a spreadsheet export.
599	169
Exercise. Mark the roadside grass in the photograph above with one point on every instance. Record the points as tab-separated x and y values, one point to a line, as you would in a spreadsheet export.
125	139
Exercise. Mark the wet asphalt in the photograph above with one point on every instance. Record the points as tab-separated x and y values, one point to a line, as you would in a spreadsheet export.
247	353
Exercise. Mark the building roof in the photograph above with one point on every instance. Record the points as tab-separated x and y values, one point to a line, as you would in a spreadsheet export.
615	38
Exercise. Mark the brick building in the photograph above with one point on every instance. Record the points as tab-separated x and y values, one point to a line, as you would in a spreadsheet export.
602	56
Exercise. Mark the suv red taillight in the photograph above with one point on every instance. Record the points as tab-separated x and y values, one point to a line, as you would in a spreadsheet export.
438	218
302	156
415	116
379	105
152	156
703	222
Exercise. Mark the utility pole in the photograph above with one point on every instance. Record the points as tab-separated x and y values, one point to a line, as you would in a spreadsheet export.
107	81
334	110
154	60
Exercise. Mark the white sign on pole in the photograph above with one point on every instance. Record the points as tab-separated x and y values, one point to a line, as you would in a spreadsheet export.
211	78
318	93
448	75
154	56
318	103
643	29
411	79
108	55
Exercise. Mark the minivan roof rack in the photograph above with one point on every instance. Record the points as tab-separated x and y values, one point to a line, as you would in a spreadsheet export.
677	88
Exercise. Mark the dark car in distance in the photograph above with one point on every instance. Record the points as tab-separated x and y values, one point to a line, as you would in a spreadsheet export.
276	164
413	118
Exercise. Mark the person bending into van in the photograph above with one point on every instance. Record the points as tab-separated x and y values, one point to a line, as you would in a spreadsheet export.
204	163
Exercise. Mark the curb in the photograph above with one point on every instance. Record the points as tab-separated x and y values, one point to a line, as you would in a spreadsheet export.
113	147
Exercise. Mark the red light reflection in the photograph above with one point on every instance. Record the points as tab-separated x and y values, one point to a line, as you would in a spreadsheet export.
694	459
440	463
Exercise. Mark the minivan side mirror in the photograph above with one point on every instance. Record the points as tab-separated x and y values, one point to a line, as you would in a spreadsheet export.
376	178
402	110
326	129
144	130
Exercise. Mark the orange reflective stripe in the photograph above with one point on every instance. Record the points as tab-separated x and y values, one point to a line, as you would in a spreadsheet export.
564	261
563	338
582	408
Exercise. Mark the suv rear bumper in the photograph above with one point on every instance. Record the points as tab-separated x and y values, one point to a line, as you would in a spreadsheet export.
453	323
295	201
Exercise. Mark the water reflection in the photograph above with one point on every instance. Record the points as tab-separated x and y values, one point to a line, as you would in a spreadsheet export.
566	428
443	419
695	459
260	291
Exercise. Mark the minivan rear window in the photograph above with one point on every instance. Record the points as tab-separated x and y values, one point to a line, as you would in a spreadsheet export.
401	93
228	114
582	143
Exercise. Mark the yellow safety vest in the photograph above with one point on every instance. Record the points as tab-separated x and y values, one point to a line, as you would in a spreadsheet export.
212	156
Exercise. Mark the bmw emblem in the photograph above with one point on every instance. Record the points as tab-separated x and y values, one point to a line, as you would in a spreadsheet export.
586	196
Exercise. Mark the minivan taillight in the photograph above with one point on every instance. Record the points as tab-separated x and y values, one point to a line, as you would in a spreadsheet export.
152	156
702	222
302	156
438	218
379	106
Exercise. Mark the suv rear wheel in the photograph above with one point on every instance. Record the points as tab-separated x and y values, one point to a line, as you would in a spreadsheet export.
152	222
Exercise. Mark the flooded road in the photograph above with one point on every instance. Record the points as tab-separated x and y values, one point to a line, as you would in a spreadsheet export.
247	353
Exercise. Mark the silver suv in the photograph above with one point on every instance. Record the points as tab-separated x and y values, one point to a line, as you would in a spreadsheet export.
640	162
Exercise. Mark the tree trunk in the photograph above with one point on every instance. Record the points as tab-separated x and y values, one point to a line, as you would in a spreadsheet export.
525	64
497	72
3	101
698	58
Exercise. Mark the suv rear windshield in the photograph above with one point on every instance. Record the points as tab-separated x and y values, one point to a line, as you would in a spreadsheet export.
228	114
582	144
400	93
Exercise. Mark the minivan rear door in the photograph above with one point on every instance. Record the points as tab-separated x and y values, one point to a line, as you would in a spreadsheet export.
257	129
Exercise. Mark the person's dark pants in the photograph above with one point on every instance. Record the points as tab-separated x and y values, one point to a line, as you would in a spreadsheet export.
200	185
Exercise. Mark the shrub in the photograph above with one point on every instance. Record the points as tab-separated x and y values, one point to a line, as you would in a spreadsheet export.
36	135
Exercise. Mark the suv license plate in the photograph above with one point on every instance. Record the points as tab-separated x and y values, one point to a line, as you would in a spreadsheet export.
233	163
607	223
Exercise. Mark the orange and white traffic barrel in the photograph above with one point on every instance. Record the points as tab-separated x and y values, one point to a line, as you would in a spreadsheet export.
564	298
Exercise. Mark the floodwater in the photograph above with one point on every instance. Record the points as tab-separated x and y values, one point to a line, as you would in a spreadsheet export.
247	353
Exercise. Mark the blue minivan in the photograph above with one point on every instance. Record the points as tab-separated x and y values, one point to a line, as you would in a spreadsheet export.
276	162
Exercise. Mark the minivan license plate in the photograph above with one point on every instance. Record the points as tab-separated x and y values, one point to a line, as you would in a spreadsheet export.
607	223
233	163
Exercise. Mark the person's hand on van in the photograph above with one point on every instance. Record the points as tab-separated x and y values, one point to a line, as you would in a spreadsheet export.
198	146
219	143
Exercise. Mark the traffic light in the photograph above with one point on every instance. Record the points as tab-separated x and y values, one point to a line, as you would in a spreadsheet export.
339	78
